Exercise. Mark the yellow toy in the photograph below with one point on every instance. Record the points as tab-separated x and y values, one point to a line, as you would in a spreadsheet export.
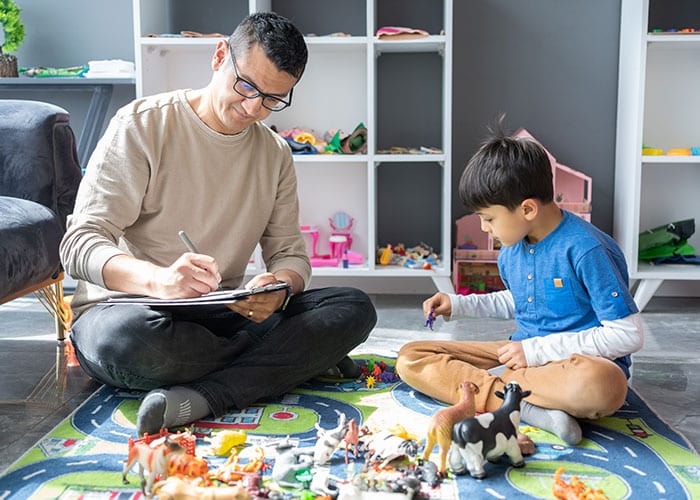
399	430
223	442
385	256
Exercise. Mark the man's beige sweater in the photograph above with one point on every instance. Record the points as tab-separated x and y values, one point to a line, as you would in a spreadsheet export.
159	169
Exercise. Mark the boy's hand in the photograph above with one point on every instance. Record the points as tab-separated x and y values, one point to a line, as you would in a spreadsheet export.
438	304
512	355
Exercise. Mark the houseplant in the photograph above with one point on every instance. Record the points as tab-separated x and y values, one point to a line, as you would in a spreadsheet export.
13	30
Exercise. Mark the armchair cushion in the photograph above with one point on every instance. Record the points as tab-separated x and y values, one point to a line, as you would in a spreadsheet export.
29	237
39	178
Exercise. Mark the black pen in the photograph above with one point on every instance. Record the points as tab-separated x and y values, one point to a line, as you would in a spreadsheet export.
190	246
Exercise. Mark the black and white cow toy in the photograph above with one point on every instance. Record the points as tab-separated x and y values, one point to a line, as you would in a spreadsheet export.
489	436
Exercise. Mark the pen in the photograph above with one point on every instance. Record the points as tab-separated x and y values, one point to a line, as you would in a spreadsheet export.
190	246
187	241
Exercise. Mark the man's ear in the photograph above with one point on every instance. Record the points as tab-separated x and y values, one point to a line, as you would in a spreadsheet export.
529	208
220	55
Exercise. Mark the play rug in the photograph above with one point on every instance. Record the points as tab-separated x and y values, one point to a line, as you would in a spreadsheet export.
632	454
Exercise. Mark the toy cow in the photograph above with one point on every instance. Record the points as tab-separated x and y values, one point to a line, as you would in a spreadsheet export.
489	436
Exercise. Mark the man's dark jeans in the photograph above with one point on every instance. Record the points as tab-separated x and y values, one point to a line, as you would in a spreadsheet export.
230	360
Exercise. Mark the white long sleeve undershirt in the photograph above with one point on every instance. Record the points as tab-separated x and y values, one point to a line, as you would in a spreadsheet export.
611	340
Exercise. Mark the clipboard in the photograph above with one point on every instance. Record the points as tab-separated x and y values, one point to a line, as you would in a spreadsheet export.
217	297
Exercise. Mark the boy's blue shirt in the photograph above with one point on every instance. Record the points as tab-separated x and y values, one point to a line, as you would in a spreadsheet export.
569	281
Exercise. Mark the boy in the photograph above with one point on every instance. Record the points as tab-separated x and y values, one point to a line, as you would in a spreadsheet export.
567	289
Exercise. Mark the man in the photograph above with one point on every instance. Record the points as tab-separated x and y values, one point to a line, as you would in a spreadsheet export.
201	161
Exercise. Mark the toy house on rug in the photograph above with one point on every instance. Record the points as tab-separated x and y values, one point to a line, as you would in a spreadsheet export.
474	259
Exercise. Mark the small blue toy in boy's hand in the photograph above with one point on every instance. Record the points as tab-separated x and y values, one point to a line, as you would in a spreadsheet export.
431	318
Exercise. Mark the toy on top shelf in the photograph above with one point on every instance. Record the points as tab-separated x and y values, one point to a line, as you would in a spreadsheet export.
691	151
673	31
307	141
647	151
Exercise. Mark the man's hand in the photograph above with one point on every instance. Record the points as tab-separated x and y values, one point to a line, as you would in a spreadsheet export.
191	275
260	306
512	355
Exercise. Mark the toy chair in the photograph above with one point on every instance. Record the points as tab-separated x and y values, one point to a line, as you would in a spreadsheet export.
39	177
341	225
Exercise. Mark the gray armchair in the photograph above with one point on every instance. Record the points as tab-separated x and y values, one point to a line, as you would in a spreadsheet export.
39	177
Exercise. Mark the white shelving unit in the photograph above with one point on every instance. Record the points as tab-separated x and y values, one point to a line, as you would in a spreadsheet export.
339	90
658	106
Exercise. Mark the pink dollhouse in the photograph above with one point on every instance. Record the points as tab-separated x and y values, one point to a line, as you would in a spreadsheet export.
474	268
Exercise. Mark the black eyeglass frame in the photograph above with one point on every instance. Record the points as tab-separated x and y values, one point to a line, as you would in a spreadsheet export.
257	93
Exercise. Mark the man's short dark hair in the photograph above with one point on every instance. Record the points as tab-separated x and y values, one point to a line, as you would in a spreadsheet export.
281	41
505	171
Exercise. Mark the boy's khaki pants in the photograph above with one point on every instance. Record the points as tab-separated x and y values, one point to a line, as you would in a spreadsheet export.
582	386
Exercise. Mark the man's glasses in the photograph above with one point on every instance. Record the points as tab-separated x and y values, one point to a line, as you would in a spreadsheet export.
250	91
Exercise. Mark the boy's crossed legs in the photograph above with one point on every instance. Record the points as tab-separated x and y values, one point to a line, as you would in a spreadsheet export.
576	387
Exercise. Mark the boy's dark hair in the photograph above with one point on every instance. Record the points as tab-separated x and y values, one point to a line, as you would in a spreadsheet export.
281	41
505	171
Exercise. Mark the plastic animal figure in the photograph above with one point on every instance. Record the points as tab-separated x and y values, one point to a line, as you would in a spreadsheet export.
176	488
577	490
232	470
189	467
489	436
153	457
428	472
352	438
442	422
223	441
328	440
386	447
290	462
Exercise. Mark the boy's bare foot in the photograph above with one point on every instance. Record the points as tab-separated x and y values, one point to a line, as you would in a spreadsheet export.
527	445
